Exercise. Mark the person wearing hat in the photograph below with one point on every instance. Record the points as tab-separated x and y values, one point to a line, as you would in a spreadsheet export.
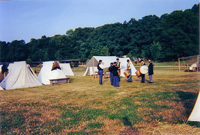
100	71
129	78
142	75
111	73
150	71
115	75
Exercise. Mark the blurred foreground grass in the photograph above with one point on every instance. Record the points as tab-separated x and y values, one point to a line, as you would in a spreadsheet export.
84	107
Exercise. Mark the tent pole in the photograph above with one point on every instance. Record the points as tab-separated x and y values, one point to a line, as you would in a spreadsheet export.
93	68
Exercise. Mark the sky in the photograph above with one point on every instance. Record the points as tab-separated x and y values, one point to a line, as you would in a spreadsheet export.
26	19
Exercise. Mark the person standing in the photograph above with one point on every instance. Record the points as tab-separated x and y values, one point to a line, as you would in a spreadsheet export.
100	71
150	71
119	66
142	75
129	78
115	75
4	70
111	73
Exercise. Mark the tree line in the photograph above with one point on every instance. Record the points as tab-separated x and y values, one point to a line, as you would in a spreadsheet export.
162	38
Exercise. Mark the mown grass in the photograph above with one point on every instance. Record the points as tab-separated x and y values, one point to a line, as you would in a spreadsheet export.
84	107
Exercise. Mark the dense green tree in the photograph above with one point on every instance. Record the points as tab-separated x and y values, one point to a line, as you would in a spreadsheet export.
161	38
156	50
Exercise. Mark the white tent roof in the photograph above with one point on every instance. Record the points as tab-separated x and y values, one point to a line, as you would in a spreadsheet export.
65	67
19	77
10	67
105	59
89	71
46	73
123	65
195	115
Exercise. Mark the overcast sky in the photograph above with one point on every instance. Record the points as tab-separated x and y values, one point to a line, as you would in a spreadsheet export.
26	19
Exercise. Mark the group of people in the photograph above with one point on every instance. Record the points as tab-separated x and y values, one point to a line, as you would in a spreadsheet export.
114	70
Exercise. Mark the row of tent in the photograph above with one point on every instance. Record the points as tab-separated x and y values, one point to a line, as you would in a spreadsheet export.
22	76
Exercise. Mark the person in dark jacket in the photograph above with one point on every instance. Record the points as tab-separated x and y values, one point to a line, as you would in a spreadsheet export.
4	69
143	75
150	71
100	70
115	75
111	73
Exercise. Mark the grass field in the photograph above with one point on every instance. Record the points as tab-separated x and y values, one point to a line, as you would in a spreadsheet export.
83	107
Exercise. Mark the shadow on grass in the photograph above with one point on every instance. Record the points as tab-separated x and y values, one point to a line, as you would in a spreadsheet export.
188	99
129	129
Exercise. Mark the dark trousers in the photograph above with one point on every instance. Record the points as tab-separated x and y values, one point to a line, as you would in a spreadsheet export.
111	78
116	81
129	78
100	76
143	78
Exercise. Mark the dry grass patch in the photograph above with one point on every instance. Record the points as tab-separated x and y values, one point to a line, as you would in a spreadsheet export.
84	107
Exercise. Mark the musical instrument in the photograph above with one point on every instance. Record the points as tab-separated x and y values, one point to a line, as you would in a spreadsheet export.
138	73
127	73
144	69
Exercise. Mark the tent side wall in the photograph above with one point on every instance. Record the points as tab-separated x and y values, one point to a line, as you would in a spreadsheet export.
45	72
65	67
89	71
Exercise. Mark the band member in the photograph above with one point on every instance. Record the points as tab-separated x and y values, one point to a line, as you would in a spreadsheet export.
142	75
150	71
115	75
119	66
100	70
129	78
111	73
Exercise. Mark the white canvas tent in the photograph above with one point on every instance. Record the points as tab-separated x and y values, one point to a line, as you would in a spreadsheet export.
10	67
46	74
194	65
195	115
92	63
19	77
89	71
107	60
65	67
